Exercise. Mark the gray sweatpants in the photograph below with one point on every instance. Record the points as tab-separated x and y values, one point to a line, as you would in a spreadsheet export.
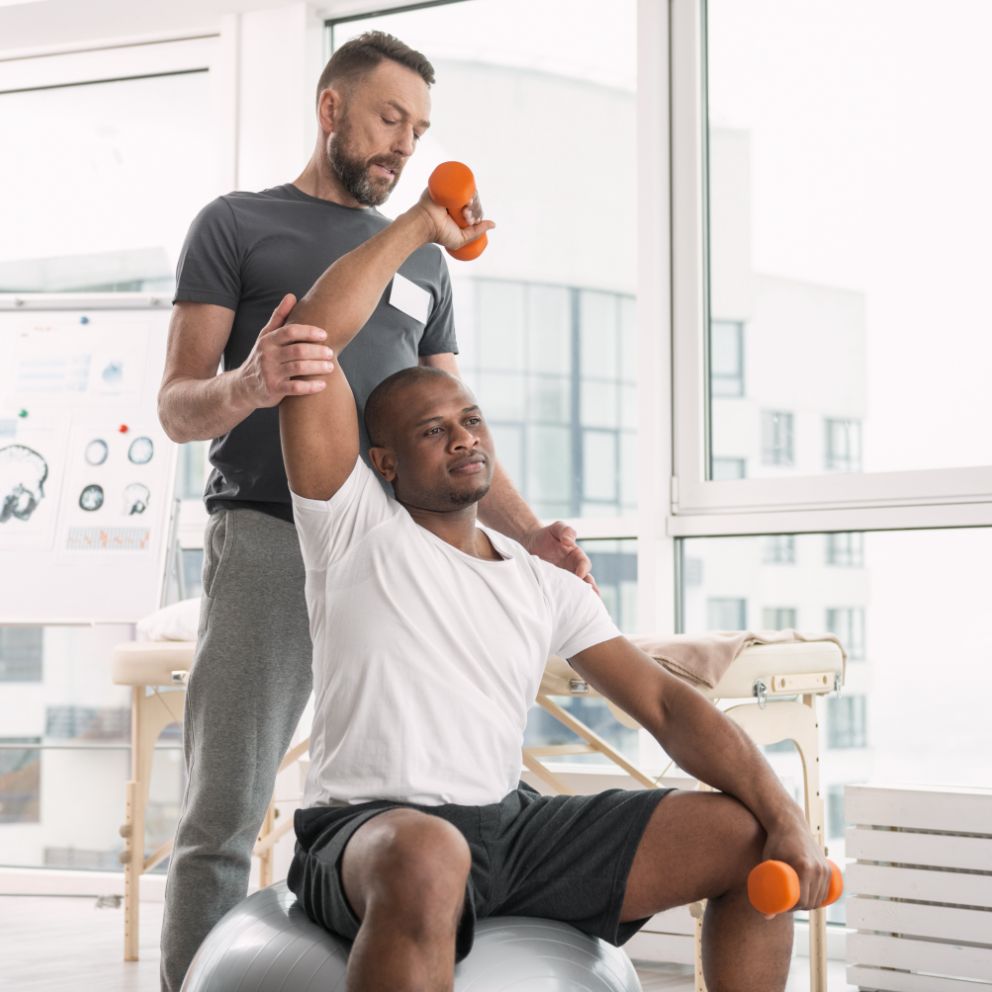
248	686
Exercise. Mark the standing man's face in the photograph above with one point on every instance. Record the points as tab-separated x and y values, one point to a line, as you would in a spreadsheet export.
378	121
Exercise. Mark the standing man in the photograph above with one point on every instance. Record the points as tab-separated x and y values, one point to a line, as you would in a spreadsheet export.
247	257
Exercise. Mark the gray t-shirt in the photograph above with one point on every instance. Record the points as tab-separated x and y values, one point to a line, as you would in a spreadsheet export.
245	251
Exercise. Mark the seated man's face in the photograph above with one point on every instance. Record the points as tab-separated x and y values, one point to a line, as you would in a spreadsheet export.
441	454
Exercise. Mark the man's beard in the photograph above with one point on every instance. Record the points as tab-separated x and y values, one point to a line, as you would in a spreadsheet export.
465	498
353	172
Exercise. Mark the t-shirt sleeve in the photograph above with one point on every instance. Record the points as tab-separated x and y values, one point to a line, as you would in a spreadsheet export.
329	529
579	618
209	267
439	335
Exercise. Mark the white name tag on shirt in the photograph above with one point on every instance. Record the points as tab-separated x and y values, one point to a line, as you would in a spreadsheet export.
410	298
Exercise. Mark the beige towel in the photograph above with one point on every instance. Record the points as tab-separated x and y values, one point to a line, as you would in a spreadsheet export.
702	659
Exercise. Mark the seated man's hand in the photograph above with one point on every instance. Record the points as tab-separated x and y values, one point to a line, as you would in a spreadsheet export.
556	544
444	231
793	843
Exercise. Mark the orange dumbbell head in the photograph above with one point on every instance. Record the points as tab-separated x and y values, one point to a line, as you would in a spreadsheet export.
452	185
773	887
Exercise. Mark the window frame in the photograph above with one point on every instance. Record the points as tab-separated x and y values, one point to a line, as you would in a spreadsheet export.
920	498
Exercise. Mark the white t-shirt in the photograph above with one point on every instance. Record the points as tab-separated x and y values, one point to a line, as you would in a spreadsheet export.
425	659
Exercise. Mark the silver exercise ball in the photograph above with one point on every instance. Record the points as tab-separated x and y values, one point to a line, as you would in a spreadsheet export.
267	944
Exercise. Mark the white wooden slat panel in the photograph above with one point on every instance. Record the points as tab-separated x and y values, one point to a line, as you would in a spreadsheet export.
955	810
920	955
901	981
647	946
940	922
941	851
961	888
678	920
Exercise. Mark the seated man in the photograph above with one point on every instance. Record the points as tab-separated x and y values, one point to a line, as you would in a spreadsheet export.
430	637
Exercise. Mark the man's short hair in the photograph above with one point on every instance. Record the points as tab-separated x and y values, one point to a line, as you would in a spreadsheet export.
358	57
378	407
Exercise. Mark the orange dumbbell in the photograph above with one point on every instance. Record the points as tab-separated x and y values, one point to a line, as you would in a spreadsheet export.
773	887
452	185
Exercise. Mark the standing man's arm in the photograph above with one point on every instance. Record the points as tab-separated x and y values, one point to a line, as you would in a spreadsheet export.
196	403
506	511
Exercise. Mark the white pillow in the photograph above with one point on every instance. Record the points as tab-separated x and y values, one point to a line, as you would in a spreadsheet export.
177	622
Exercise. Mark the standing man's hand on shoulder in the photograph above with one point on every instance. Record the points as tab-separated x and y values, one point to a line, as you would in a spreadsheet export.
281	354
556	544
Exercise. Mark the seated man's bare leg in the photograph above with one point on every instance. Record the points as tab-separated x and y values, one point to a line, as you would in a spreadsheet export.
701	845
404	873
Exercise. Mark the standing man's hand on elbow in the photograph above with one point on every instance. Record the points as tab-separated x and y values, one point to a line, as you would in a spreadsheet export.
281	354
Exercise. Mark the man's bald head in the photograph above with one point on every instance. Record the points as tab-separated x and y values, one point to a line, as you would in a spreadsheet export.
383	408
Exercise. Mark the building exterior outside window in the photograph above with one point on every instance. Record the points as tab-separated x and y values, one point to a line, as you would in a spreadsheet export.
842	449
846	549
779	618
780	549
727	358
848	623
777	442
847	725
726	613
20	654
553	368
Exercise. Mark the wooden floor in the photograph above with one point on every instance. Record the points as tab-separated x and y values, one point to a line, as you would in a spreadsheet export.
60	944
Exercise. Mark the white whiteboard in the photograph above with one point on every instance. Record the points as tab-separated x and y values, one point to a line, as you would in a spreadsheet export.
86	472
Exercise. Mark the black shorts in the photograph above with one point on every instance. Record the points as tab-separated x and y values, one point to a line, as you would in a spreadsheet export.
561	858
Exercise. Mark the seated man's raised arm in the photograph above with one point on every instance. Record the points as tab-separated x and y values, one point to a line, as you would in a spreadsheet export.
320	431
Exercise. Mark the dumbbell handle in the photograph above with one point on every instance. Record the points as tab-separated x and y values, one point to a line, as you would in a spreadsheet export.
773	887
452	185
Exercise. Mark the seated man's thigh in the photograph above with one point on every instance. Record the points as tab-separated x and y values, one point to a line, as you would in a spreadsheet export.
697	845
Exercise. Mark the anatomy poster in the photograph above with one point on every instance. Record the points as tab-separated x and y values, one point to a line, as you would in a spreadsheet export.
86	472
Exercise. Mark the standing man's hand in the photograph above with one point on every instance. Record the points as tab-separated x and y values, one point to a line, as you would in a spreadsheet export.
556	544
281	353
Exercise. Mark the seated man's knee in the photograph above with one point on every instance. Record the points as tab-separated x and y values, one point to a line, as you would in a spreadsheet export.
738	833
417	865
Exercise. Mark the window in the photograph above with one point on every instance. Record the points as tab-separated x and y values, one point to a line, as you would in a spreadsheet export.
558	391
779	618
776	438
780	549
846	722
546	317
840	305
127	136
726	614
848	623
20	654
846	549
726	358
843	446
